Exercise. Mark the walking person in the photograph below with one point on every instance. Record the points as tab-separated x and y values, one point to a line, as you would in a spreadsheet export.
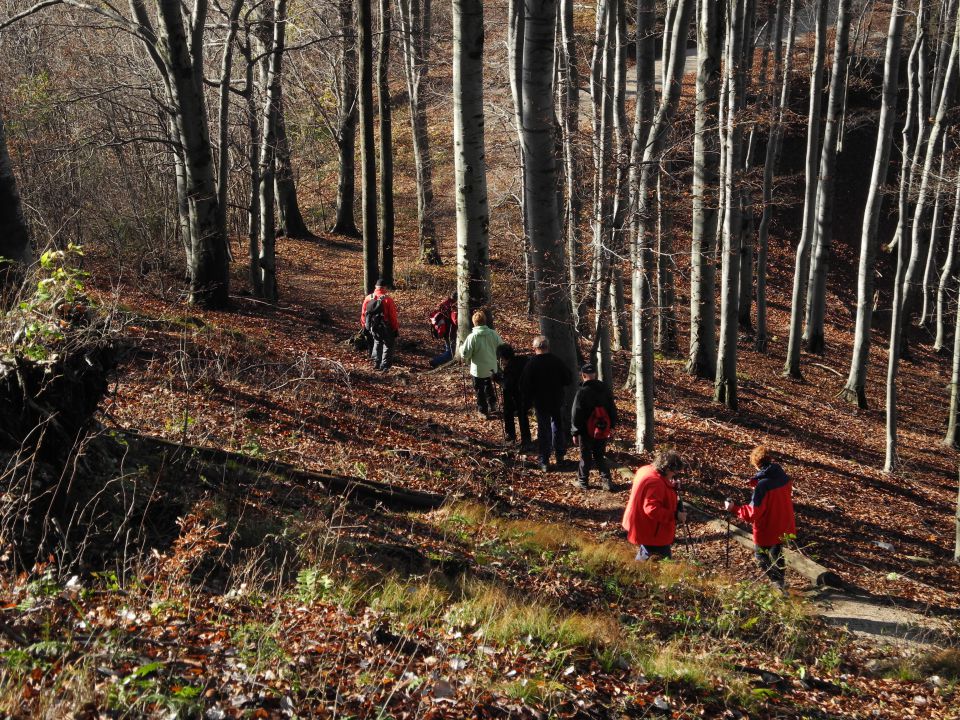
542	386
511	372
443	326
770	510
593	419
378	317
653	511
480	350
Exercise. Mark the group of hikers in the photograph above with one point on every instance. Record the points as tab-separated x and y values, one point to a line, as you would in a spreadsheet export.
539	382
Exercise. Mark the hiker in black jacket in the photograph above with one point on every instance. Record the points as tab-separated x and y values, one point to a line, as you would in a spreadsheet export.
541	385
511	371
594	417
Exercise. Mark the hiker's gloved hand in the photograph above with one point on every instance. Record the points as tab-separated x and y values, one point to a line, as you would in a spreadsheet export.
728	505
576	440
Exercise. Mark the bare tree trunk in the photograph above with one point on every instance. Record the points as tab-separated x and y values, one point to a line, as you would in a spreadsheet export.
918	245
207	260
14	238
855	389
268	149
569	129
929	265
386	145
817	299
223	127
666	292
642	250
725	385
415	21
947	273
539	132
368	147
782	68
703	345
515	38
473	219
344	224
291	219
952	438
802	266
253	160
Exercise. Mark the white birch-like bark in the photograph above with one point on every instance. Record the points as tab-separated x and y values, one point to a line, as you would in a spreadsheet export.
368	148
931	255
817	294
802	262
473	213
947	272
855	388
725	383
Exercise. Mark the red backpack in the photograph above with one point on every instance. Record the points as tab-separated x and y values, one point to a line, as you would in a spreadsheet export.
599	426
439	324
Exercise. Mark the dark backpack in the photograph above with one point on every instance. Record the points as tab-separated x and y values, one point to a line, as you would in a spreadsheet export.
374	321
599	426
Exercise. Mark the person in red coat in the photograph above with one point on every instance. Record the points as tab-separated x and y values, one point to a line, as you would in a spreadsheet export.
378	316
652	512
771	512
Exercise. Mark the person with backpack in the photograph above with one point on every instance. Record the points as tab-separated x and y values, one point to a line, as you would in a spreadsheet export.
593	419
443	326
770	510
511	371
480	350
541	385
653	511
378	318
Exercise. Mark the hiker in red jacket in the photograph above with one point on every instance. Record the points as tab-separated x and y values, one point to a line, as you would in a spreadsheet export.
378	317
771	512
652	512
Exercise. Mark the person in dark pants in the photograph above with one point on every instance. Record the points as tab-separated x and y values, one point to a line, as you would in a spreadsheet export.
378	317
541	385
593	419
480	350
511	371
654	508
771	511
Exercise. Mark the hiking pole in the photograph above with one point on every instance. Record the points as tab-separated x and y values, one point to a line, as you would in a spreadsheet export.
726	561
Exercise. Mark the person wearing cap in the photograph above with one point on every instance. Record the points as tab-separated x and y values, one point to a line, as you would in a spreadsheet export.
770	510
653	511
593	419
378	317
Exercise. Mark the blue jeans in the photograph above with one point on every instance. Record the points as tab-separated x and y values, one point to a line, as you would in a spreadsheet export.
655	552
550	435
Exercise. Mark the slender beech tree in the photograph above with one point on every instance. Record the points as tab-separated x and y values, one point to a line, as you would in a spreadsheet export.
540	170
725	384
569	112
642	248
368	147
802	263
855	389
929	269
703	344
473	212
346	138
604	166
947	272
952	438
268	145
386	145
896	314
817	295
416	23
919	239
14	238
782	69
223	118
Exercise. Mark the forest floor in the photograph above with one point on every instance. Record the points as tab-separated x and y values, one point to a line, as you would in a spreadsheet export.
440	631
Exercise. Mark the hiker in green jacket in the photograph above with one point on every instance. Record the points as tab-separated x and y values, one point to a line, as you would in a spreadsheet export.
480	350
